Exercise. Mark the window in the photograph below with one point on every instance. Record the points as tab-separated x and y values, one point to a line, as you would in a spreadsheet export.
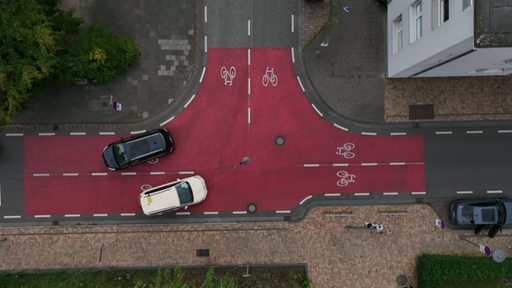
466	4
416	21
397	35
443	9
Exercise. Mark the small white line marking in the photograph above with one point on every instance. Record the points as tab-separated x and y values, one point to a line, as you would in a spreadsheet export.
69	174
249	57
137	132
41	174
248	27
293	54
361	194
339	164
13	134
248	86
397	133
283	211
167	121
494	191
71	215
300	83
12	217
202	75
396	163
182	213
42	216
47	134
205	45
239	212
77	133
157	173
0	195
419	193
100	215
369	164
205	14
293	28
127	214
474	132
210	212
186	172
190	100
504	131
340	127
465	192
444	132
107	133
311	165
317	111
369	133
332	194
128	173
390	193
305	199
99	174
249	115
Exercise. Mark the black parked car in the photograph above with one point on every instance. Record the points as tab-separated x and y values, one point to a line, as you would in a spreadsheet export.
137	149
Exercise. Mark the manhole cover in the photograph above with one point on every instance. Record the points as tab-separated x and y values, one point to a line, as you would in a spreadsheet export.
251	208
280	140
401	280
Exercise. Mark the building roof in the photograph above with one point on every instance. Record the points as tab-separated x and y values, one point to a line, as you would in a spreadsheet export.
493	23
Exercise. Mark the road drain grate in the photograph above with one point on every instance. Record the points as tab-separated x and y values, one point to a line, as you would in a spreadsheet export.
203	252
417	112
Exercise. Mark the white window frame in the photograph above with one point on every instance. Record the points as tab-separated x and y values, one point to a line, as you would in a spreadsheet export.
443	12
398	34
416	23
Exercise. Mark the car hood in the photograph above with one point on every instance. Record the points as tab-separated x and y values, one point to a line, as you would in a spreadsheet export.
108	157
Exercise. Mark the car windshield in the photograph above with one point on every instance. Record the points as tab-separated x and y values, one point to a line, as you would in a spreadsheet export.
184	193
120	154
502	213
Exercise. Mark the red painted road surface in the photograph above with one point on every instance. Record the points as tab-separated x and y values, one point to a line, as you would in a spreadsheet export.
230	118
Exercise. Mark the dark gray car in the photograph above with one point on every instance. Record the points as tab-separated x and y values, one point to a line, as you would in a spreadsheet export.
137	149
473	212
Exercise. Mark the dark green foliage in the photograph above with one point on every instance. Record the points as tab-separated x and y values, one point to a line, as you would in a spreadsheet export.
285	277
40	42
456	271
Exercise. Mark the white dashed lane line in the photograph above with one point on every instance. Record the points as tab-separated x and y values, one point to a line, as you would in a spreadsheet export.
464	192
444	132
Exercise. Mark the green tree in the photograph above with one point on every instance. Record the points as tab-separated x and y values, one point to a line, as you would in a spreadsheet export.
27	54
41	42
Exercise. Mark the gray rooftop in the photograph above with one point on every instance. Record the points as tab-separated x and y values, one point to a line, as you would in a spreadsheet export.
493	23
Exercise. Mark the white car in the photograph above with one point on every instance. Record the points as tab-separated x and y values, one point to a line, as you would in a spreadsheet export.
174	195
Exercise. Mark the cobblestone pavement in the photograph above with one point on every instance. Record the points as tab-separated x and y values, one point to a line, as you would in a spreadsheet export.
332	242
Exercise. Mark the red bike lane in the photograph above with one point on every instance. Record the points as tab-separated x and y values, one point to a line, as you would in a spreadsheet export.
248	98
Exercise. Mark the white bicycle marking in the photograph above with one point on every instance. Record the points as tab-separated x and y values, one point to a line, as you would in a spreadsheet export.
345	178
269	77
153	161
228	75
345	150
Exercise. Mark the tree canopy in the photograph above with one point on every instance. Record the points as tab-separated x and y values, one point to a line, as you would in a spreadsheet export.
41	42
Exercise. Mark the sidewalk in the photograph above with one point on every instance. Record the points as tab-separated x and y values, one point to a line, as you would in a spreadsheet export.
335	255
349	73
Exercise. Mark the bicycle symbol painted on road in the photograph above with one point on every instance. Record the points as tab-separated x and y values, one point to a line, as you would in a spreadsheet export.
346	149
345	178
269	77
228	75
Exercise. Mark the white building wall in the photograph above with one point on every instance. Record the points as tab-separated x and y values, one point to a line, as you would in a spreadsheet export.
438	44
